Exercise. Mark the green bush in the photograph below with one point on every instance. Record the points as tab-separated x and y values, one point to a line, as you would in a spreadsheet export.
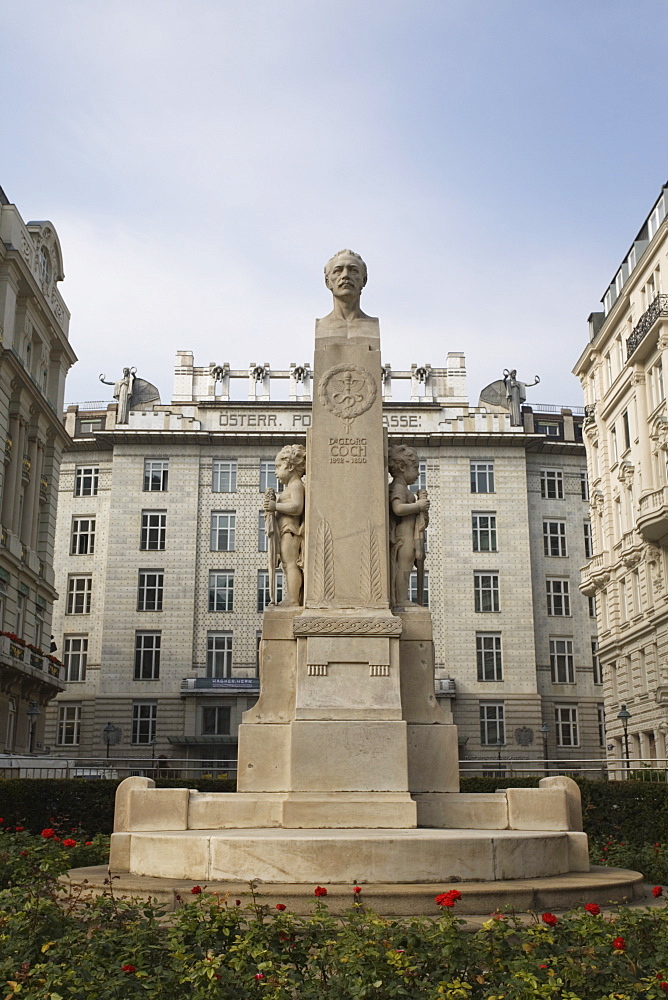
213	947
86	804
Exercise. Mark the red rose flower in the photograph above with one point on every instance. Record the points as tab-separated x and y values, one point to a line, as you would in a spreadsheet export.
128	968
657	891
448	898
320	891
357	889
619	944
1	820
593	908
196	889
68	842
19	829
89	843
280	906
237	902
259	975
23	854
48	833
664	987
550	919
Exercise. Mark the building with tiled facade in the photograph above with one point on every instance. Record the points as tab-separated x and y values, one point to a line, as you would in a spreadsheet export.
35	356
162	566
622	371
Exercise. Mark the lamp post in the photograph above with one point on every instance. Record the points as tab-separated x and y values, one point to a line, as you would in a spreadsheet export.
624	715
544	730
499	743
32	713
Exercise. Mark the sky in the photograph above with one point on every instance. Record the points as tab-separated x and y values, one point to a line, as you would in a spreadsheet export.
492	161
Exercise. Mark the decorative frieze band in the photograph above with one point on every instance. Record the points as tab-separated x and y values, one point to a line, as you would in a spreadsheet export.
346	626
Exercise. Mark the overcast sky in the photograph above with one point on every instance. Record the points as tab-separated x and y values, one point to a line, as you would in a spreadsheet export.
492	160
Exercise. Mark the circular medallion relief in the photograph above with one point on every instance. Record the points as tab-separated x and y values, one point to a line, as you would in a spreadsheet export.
347	391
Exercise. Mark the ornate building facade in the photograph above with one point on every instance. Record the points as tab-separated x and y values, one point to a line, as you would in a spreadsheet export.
162	566
623	371
35	356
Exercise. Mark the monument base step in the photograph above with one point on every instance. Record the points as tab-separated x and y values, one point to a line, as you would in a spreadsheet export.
348	856
558	892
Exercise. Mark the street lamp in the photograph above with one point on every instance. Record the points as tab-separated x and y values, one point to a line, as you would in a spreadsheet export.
624	715
544	730
32	713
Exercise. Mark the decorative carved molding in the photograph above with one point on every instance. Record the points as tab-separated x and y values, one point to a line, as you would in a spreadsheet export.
371	585
379	670
632	558
654	561
625	474
305	626
324	563
347	391
317	669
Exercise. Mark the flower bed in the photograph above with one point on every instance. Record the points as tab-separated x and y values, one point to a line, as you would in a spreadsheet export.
112	949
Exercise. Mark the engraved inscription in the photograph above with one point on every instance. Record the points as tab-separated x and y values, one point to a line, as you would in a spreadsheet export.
347	450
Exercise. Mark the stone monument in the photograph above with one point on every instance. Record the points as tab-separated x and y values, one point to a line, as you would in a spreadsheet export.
348	766
132	393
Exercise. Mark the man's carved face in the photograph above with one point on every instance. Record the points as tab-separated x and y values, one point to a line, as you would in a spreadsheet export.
345	277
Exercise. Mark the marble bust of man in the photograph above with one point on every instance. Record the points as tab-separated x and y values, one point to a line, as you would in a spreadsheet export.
345	276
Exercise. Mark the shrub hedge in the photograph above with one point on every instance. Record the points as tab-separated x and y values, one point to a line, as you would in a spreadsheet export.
633	811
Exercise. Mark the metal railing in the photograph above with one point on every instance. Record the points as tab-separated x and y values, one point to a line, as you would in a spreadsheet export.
658	307
225	767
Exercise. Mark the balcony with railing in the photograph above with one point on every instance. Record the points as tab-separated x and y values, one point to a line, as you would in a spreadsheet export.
652	519
595	573
30	664
658	308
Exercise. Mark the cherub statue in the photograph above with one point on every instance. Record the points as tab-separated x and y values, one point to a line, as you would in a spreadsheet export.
284	522
409	518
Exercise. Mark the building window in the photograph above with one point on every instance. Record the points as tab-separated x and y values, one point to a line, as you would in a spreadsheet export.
554	538
613	446
39	625
153	529
20	614
482	477
591	604
219	654
216	720
584	486
86	481
149	593
223	530
488	655
147	656
412	589
69	725
566	724
421	481
486	591
492	727
588	540
263	595
90	426
484	532
144	718
83	536
221	591
79	595
224	476
261	532
75	657
600	713
548	427
597	670
561	661
551	484
268	480
627	429
558	597
156	472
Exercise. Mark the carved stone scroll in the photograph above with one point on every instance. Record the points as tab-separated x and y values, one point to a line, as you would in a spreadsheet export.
303	626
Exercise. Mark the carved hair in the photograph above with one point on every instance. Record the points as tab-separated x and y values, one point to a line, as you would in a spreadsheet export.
295	455
398	457
348	253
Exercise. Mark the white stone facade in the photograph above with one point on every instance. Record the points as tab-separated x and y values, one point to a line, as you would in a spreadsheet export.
516	694
623	372
35	356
